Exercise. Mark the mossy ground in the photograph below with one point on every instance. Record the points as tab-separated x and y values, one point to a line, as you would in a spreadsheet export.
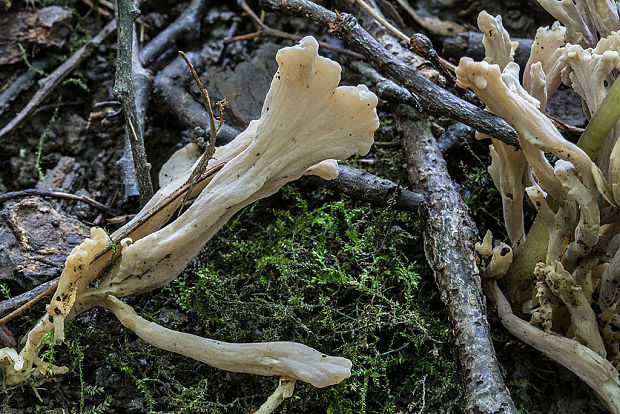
305	265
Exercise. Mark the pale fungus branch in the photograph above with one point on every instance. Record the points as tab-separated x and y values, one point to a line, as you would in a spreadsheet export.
307	121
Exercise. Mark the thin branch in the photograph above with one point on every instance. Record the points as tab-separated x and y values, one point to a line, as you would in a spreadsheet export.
31	297
434	100
213	129
123	90
55	78
172	96
53	194
383	21
9	305
264	30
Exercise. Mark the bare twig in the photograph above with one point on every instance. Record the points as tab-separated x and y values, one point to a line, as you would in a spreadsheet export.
55	78
54	194
383	21
187	24
264	30
173	97
213	129
9	305
449	237
26	300
123	89
433	99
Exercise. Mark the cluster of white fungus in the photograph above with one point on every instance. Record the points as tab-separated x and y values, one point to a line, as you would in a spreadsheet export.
564	274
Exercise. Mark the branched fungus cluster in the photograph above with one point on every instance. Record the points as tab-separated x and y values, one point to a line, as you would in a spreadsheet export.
563	275
307	121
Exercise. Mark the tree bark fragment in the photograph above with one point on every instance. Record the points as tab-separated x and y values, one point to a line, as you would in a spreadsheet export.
449	237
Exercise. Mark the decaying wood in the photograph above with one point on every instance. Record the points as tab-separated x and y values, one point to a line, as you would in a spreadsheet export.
434	99
449	237
55	78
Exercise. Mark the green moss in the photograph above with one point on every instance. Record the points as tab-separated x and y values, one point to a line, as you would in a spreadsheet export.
335	276
304	265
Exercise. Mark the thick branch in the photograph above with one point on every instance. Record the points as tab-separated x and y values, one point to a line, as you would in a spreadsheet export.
433	99
449	237
142	87
123	89
370	188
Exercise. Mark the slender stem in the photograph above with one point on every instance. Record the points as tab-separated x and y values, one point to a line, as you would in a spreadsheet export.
383	21
54	194
602	122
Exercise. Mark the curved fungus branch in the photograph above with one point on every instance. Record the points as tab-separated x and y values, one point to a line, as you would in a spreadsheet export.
307	121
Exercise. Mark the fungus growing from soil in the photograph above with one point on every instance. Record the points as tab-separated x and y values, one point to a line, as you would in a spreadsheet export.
563	274
306	122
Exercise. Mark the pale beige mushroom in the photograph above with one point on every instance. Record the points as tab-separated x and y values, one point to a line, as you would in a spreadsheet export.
508	165
542	73
591	72
306	121
499	50
576	18
583	319
284	359
605	16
